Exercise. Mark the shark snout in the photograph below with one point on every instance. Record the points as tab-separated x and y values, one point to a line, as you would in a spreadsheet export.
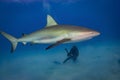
95	33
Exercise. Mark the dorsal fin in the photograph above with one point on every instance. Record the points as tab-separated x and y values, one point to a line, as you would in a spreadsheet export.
50	21
23	34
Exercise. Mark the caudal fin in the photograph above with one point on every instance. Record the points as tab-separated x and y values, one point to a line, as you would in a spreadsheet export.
12	39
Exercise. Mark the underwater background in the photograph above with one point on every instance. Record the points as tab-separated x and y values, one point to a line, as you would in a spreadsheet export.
99	57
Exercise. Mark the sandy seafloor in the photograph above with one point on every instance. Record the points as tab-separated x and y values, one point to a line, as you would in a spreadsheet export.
99	61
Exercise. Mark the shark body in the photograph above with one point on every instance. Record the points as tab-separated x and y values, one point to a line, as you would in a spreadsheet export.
54	34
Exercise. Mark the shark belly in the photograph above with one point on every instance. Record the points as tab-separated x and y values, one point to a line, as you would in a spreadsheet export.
48	40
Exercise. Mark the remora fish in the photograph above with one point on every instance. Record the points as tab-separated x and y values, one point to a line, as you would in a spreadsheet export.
53	33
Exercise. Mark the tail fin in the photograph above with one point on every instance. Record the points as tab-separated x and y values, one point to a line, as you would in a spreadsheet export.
12	39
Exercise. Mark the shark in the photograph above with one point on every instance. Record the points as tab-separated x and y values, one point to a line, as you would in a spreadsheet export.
53	34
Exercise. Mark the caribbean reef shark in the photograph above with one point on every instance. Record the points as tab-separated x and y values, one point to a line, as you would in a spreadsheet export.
54	34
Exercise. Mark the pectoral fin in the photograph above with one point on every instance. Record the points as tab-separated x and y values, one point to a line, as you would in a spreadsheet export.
57	43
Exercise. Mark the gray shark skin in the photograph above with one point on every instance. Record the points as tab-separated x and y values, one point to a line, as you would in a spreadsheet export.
54	34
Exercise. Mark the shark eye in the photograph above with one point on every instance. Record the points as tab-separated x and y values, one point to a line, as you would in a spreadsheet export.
91	32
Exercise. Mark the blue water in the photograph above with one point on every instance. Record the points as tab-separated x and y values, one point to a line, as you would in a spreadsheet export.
99	57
